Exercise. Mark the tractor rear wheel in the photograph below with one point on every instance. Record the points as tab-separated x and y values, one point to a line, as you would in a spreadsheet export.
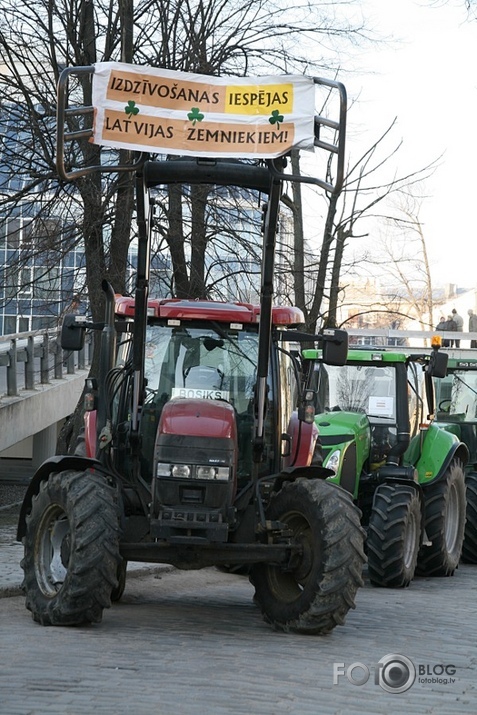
71	549
394	535
469	549
314	592
444	523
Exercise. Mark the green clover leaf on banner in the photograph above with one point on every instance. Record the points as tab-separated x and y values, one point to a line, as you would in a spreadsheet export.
131	108
276	118
195	115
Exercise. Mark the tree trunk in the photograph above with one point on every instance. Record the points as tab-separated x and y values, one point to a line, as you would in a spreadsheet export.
121	232
199	196
125	191
341	236
298	236
175	241
323	264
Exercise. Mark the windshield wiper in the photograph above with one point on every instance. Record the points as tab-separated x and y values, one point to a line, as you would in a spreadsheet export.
381	417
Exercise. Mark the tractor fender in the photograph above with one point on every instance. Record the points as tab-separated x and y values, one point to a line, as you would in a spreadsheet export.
58	463
458	451
90	432
438	450
303	437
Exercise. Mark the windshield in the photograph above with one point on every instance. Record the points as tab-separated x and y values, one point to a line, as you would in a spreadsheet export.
456	395
358	388
201	363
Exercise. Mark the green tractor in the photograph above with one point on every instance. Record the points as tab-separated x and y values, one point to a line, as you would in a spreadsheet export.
405	470
456	400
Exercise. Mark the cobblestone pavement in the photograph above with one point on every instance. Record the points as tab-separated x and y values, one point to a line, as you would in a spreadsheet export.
193	643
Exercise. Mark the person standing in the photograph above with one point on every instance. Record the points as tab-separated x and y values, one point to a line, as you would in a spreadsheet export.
459	325
472	326
449	326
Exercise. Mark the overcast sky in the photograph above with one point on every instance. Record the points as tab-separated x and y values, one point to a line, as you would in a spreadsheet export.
428	80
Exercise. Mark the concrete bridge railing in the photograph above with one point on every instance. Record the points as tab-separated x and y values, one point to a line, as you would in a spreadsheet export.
42	358
40	385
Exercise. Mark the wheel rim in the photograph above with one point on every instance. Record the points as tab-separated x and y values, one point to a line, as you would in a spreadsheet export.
288	584
410	540
452	519
52	550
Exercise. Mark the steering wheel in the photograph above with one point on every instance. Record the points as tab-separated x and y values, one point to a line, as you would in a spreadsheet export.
441	404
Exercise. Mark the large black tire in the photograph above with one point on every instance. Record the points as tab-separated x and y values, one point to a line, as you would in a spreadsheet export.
469	549
444	523
71	549
316	591
394	535
117	592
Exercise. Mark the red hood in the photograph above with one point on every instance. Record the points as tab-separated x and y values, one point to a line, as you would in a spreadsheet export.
198	418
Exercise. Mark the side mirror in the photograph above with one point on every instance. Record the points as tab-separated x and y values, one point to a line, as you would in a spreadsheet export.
437	366
335	346
72	333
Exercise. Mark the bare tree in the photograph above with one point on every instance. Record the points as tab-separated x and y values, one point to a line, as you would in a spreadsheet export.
228	37
38	38
359	199
406	258
470	6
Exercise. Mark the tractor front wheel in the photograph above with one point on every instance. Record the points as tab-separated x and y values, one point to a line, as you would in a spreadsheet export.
71	549
313	593
469	549
394	535
117	592
444	523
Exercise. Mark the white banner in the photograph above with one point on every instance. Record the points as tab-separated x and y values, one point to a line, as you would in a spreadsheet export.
166	112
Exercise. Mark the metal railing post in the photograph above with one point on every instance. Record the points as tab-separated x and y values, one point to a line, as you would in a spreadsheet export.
69	358
12	390
45	361
90	348
58	360
29	364
82	358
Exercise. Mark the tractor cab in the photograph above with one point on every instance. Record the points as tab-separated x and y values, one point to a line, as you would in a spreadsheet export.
202	353
456	401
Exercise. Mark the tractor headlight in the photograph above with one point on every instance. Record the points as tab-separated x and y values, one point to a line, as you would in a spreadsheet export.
180	471
193	471
334	461
163	470
209	472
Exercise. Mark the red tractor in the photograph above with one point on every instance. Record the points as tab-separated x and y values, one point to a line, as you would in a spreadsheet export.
199	447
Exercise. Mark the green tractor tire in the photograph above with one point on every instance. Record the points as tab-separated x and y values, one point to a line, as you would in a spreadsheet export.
394	535
445	507
469	549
